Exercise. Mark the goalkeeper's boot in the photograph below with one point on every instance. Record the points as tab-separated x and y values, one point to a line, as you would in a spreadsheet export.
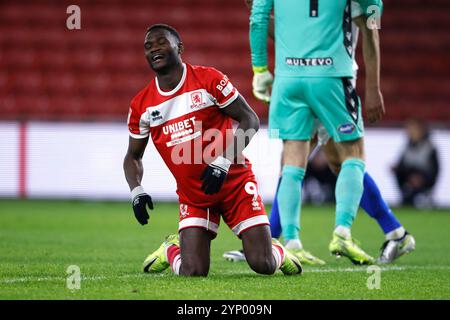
157	261
235	255
349	248
393	249
306	257
291	265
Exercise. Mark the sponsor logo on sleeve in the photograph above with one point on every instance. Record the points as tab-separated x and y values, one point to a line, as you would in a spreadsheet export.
225	86
228	89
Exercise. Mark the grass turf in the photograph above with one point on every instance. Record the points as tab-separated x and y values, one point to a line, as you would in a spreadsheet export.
40	239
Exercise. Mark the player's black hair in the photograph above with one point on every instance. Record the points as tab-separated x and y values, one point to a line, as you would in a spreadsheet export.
172	30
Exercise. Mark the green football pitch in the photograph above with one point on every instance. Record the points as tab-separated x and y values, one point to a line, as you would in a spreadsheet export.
39	240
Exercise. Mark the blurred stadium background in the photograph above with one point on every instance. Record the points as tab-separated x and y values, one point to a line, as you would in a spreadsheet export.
64	94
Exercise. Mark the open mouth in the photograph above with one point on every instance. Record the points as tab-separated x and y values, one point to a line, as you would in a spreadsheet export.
157	57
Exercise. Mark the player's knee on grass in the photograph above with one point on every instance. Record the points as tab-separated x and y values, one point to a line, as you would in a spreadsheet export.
257	245
195	244
194	269
263	264
196	265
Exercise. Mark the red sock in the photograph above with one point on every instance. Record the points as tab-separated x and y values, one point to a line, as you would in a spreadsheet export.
174	258
278	254
172	252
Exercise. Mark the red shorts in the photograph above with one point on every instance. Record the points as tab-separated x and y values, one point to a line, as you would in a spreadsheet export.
241	208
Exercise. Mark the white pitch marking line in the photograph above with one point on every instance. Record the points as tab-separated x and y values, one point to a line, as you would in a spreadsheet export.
382	268
306	270
87	278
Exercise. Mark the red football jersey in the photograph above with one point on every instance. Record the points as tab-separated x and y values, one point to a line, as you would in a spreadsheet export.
188	129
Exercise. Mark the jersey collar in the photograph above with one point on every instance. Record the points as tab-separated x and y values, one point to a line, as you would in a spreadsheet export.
179	85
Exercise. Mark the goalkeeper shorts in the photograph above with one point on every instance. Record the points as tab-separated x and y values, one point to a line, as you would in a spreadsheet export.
297	102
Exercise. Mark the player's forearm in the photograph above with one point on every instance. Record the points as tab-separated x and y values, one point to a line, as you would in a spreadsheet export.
259	28
271	21
371	54
134	171
244	133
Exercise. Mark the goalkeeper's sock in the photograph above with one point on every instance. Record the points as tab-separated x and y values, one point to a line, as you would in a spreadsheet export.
349	189
275	225
343	232
174	258
373	203
278	255
289	201
294	244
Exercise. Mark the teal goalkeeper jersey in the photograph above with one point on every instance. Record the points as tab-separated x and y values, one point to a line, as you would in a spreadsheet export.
313	38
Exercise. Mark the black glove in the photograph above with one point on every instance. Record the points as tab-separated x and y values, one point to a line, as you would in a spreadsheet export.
140	200
214	175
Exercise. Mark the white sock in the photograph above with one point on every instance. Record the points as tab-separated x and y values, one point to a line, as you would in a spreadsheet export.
293	244
396	234
176	264
343	232
277	256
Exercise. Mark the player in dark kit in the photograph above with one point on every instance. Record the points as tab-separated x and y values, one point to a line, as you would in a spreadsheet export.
188	111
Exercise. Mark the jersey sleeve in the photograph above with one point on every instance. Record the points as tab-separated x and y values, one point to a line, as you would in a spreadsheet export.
138	124
221	90
259	28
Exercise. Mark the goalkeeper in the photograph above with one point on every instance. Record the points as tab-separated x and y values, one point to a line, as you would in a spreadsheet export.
398	240
314	80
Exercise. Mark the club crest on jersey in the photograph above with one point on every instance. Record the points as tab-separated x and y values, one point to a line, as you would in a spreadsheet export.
196	99
156	115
